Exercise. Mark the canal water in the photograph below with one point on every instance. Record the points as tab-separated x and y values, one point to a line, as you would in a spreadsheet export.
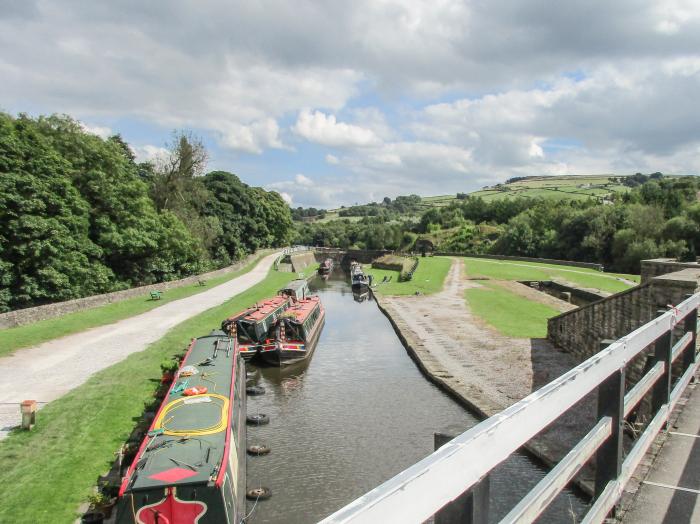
353	416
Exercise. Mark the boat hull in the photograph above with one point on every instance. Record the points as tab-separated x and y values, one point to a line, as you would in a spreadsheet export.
284	356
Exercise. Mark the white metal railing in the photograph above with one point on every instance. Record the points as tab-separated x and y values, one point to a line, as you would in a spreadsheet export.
288	251
417	493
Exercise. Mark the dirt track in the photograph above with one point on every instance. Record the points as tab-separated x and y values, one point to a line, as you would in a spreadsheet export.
48	371
486	370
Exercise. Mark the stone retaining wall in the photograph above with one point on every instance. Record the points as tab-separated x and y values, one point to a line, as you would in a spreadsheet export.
581	331
662	266
588	265
302	260
21	317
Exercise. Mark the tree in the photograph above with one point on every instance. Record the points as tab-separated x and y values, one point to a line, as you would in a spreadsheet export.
45	251
250	218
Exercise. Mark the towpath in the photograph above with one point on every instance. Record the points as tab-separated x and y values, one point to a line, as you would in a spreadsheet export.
486	370
48	371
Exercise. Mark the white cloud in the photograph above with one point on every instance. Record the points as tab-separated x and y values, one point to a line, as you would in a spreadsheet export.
101	131
286	197
324	129
303	180
536	150
332	159
149	153
253	138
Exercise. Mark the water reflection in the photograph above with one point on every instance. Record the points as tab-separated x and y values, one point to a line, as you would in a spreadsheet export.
355	415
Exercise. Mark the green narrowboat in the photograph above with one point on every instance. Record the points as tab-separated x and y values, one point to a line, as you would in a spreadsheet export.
190	468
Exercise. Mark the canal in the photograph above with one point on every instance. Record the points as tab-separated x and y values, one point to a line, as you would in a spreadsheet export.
355	415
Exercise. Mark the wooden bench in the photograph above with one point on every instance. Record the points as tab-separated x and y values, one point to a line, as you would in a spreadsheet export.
155	295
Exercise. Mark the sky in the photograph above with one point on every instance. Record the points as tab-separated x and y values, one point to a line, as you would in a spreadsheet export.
335	102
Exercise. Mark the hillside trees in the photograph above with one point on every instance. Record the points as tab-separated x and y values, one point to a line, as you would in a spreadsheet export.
45	251
660	217
79	216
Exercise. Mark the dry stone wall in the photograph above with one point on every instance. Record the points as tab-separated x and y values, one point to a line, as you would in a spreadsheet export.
21	317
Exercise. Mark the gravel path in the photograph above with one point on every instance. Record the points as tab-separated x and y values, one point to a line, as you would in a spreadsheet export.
485	369
48	371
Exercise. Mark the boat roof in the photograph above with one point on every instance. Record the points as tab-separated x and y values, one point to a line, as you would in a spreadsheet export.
187	441
302	309
263	309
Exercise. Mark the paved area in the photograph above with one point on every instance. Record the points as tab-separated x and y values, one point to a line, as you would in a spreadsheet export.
48	371
486	370
670	493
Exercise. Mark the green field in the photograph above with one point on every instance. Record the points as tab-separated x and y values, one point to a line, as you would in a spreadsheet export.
512	270
510	314
33	334
428	278
46	473
556	187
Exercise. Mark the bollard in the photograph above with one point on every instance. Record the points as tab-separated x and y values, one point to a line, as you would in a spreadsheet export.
28	409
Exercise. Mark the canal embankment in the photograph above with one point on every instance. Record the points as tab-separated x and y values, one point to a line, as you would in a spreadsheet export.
481	368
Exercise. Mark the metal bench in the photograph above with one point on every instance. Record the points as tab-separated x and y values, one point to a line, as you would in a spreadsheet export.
155	295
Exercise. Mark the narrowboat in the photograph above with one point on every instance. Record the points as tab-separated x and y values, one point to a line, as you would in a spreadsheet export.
254	328
360	295
358	279
190	467
326	267
298	331
297	289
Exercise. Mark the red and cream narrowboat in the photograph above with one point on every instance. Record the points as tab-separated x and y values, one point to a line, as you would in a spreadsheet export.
298	331
254	329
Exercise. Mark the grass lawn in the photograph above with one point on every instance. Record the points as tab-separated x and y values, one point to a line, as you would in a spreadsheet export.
511	314
46	473
19	337
514	270
427	279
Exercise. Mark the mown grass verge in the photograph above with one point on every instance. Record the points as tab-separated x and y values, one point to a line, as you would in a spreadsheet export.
15	338
510	314
428	278
45	474
512	270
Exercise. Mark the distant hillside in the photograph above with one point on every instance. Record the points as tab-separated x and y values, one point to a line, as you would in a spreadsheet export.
564	187
645	216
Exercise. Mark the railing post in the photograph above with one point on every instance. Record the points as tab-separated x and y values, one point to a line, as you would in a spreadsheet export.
662	353
471	507
611	403
690	325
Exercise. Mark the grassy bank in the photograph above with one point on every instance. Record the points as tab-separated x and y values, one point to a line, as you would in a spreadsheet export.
15	338
512	270
511	314
428	278
45	474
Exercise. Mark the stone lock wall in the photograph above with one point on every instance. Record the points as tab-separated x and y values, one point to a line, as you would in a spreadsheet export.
301	260
581	331
662	266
